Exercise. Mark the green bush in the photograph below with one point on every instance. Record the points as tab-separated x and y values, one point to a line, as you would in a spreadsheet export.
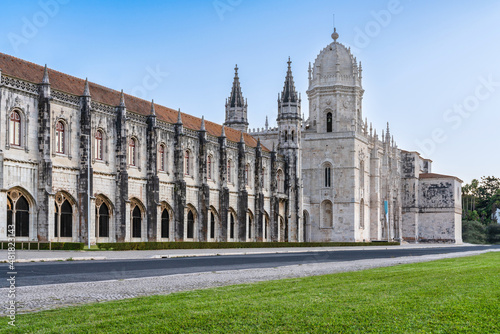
493	233
473	232
225	245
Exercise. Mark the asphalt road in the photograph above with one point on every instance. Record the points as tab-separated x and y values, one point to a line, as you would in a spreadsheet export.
29	274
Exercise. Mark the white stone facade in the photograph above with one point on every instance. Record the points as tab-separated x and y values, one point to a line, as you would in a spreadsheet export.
159	175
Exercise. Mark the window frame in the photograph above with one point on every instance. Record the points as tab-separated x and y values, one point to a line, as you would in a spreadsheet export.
13	125
132	152
60	133
99	145
162	157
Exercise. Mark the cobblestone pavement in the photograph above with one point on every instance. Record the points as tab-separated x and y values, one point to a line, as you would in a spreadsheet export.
44	297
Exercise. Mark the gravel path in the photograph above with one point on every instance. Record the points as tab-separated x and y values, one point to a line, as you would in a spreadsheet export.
44	297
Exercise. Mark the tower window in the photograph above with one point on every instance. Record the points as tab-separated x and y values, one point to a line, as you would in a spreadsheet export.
329	122
328	177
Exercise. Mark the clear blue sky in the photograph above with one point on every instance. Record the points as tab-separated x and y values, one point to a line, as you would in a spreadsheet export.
421	63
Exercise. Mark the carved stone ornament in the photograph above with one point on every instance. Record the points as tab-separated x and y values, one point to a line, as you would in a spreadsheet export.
14	195
59	198
362	155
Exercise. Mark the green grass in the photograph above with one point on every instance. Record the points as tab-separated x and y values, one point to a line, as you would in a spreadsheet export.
448	296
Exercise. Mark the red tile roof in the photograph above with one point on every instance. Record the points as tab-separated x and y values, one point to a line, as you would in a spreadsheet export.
438	176
31	72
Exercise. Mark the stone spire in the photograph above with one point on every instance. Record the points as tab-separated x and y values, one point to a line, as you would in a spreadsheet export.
388	134
86	90
44	85
236	106
289	101
202	127
153	112
45	79
122	100
289	93
223	132
236	98
267	123
179	117
242	140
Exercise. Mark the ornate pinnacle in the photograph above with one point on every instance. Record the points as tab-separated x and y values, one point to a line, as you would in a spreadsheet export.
45	79
153	112
242	140
122	100
223	132
335	35
202	127
86	91
179	117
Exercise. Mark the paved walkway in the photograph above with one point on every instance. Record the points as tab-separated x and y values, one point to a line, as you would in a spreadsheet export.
45	255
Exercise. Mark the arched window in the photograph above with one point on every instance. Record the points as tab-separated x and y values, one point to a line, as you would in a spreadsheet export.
209	167
329	122
229	171
212	225
327	214
293	136
247	167
102	220
136	222
328	177
161	158
18	214
281	181
66	219
60	137
286	136
165	224
190	225
231	226
99	145
186	163
132	151
15	129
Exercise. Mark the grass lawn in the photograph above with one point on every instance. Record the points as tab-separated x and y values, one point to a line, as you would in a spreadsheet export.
448	296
